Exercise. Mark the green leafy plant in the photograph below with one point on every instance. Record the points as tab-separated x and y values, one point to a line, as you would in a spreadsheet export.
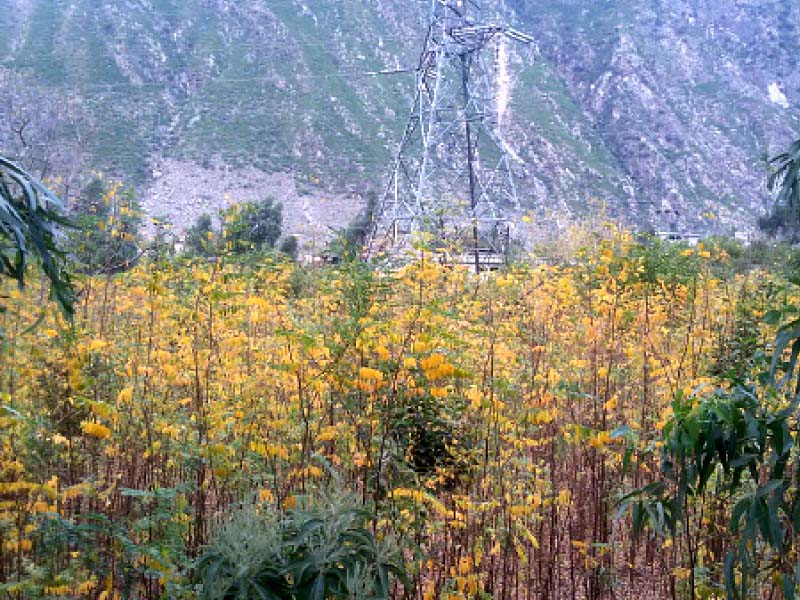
739	442
246	558
741	346
318	550
147	548
785	182
786	178
30	222
664	261
787	318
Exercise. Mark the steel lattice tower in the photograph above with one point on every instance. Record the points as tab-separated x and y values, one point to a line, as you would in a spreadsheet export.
453	169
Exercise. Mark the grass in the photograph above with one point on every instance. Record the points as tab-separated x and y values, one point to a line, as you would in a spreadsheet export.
38	51
546	102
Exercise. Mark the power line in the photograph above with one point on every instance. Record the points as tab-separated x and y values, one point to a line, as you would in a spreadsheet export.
261	79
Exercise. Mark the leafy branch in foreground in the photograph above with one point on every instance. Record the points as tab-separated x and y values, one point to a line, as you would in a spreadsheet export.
30	217
784	182
740	444
786	178
788	337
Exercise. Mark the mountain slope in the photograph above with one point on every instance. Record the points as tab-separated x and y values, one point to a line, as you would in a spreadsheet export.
689	96
630	103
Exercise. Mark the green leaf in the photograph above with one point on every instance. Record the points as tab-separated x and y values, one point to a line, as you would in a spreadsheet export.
318	591
7	411
768	488
773	317
788	587
782	340
741	507
621	432
29	218
730	575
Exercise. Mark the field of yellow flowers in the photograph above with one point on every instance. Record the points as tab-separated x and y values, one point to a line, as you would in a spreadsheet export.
490	421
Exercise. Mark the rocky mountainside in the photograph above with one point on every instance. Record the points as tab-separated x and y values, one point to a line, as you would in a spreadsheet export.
628	104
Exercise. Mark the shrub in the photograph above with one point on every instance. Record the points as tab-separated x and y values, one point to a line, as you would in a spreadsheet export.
108	223
290	247
246	559
319	549
199	238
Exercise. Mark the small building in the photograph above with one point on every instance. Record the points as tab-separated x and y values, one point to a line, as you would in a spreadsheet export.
674	236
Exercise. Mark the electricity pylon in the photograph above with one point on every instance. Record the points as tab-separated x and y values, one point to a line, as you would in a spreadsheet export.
452	175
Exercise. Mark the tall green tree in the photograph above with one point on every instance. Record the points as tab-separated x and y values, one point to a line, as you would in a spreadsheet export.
252	226
30	228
